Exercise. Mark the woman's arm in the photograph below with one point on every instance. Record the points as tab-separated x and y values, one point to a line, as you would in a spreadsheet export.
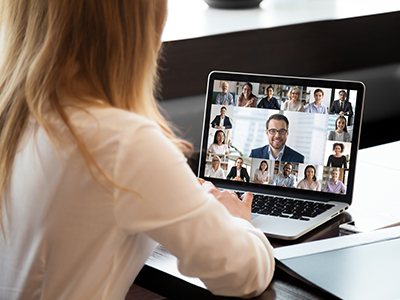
228	254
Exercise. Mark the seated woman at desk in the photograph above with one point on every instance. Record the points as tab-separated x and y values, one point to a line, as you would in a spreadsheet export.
293	104
310	181
337	160
218	146
82	145
334	185
340	133
247	98
215	171
261	174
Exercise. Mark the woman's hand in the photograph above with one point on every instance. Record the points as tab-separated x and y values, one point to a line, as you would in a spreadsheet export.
237	208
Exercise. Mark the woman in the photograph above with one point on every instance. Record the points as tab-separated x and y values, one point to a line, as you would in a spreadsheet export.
269	102
247	98
340	133
334	185
219	146
215	171
261	174
293	104
83	146
310	181
317	107
337	160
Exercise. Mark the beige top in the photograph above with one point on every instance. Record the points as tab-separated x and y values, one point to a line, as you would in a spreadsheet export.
243	102
299	107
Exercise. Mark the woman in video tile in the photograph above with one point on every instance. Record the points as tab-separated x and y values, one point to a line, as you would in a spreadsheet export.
334	185
261	174
215	171
340	133
293	104
247	98
219	146
310	181
337	160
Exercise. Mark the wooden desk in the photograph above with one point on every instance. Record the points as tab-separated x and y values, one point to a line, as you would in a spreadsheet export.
383	191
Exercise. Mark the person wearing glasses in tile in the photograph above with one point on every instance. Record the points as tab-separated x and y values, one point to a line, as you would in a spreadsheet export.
277	132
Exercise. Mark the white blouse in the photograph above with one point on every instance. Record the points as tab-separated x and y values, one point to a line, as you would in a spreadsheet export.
67	237
261	175
222	150
210	172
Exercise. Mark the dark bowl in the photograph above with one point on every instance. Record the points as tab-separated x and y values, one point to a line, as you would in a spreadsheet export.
233	3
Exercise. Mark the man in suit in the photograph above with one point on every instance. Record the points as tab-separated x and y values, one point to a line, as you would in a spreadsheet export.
222	121
341	106
277	132
238	173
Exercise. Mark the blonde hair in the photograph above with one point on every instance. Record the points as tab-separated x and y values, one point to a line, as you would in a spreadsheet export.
293	88
52	46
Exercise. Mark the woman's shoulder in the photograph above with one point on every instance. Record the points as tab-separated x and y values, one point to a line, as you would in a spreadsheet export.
108	118
102	127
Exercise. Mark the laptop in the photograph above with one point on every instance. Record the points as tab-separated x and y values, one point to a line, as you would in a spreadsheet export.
301	167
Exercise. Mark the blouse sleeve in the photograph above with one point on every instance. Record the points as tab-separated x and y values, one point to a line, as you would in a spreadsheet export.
228	254
329	161
347	137
331	135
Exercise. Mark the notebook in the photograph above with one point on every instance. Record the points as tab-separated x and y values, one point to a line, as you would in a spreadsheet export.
358	266
301	167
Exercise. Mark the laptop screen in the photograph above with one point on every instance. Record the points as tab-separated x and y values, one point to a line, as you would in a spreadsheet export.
281	135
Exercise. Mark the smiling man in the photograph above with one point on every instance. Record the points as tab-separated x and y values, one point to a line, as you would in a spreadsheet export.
225	98
286	179
277	132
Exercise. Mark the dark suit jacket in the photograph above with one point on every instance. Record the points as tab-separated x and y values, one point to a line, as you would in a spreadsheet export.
289	154
335	108
243	174
217	119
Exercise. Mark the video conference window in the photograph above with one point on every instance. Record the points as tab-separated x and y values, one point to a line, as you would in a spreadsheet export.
307	144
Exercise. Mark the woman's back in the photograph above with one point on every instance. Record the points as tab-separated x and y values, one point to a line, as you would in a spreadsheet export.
64	226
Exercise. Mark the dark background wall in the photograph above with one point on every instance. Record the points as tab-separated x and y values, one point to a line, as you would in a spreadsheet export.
362	48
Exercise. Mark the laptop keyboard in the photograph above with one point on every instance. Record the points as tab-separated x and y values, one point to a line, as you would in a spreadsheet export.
287	208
